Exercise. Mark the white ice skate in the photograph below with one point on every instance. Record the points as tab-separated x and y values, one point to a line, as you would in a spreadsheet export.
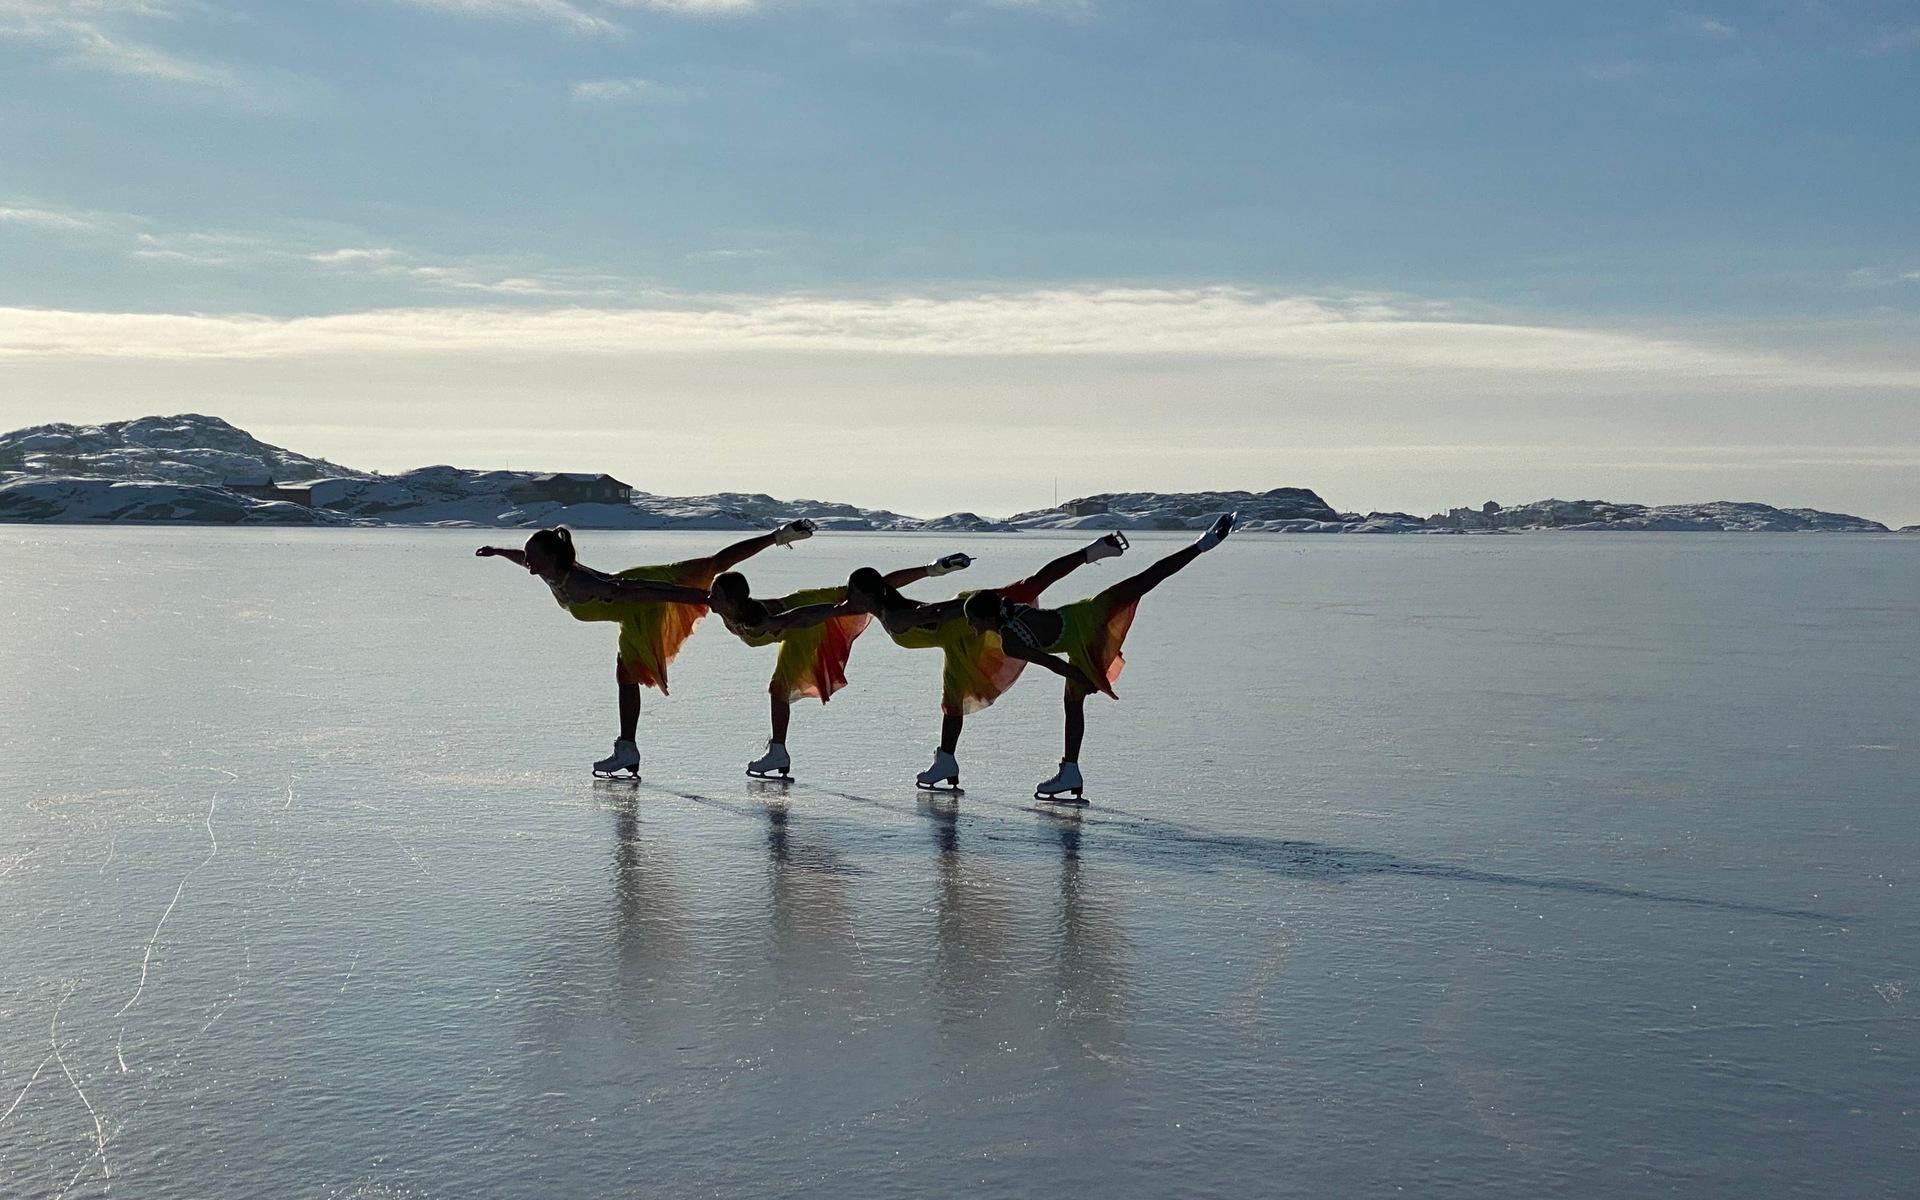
774	764
623	763
1217	532
942	776
1054	790
1109	546
948	565
794	531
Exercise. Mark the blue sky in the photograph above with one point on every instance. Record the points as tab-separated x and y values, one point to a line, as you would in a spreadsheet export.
1633	250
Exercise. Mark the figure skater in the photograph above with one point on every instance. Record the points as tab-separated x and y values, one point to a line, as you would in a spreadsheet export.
1085	636
975	670
655	606
815	632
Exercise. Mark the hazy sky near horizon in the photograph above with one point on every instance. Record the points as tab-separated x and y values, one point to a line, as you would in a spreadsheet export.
940	255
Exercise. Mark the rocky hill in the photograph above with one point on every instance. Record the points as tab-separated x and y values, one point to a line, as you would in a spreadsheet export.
202	470
1719	516
189	448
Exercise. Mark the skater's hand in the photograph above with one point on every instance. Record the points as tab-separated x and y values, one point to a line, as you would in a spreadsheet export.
949	564
484	552
794	531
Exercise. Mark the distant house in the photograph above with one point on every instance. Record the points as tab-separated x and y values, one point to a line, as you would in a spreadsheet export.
292	493
572	488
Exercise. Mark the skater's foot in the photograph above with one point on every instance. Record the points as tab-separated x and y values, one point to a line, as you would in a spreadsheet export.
948	564
794	531
624	759
1110	546
1218	531
1064	788
773	762
943	775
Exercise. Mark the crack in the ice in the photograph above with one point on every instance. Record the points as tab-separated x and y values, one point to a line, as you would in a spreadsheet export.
400	845
31	1080
146	959
99	1127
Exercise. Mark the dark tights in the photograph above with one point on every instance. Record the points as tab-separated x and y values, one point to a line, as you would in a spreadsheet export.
1076	722
1131	589
782	713
629	710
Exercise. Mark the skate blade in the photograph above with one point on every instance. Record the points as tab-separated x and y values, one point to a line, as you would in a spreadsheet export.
771	776
944	789
775	780
621	776
1076	799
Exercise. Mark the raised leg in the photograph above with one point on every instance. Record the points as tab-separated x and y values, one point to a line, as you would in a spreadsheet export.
1136	586
1072	561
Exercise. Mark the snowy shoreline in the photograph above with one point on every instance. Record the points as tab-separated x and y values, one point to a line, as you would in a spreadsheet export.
199	470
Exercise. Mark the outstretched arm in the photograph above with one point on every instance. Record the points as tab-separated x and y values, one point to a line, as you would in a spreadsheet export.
739	552
1059	666
942	566
1067	564
517	557
633	591
804	617
925	616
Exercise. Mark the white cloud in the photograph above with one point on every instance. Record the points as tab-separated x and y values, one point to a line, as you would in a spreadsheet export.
726	254
1703	24
135	237
608	90
1351	335
89	33
698	8
46	218
385	262
353	255
585	16
1895	41
558	11
1881	276
1057	8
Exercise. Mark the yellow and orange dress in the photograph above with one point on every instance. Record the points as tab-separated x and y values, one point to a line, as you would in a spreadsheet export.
976	670
1091	633
813	660
651	632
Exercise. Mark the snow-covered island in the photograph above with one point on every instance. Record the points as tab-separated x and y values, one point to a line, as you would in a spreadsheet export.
202	470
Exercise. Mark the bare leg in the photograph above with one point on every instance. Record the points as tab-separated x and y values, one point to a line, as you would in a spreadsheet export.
629	710
1076	702
782	713
950	726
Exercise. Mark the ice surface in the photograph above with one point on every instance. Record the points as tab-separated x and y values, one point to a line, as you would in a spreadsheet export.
1449	867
